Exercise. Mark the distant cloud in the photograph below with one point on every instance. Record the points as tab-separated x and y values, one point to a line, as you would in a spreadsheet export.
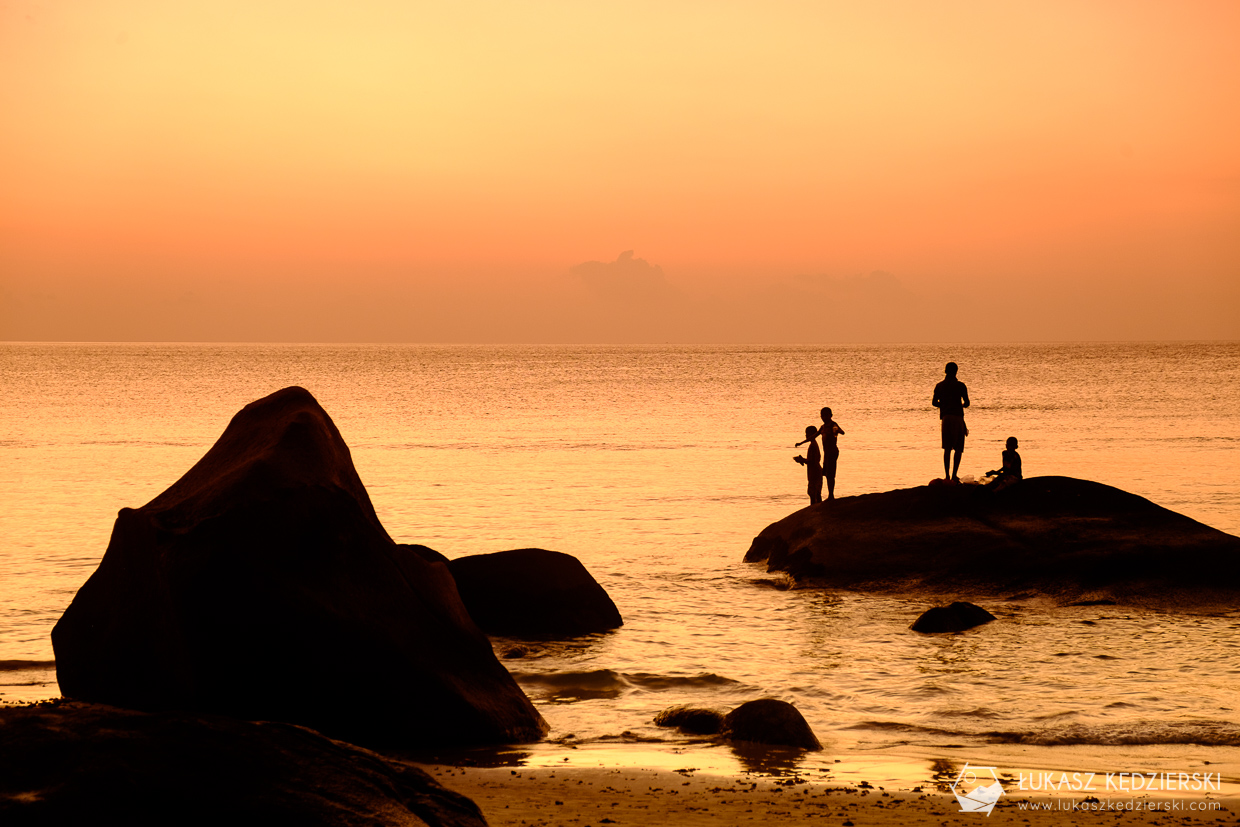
625	279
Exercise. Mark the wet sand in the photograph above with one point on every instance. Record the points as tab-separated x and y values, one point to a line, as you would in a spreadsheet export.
582	797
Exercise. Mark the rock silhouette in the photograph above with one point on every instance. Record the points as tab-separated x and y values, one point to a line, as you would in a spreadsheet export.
532	591
1053	535
957	617
261	585
769	721
79	763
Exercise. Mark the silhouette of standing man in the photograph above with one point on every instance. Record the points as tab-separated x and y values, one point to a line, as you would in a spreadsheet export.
951	397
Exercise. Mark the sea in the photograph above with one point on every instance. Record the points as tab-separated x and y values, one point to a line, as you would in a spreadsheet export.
656	466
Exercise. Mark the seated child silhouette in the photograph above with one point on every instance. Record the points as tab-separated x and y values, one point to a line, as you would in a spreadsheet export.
1011	470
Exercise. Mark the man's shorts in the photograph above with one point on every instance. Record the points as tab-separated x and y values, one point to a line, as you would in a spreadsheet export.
954	432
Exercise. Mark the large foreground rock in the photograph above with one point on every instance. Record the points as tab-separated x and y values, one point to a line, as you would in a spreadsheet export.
532	591
1054	535
92	764
262	585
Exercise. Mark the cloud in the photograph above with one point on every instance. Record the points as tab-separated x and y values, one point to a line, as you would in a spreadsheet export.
626	279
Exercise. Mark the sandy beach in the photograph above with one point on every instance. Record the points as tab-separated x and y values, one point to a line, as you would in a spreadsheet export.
631	797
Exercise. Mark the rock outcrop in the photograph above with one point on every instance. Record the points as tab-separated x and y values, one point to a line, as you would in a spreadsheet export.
769	721
261	585
532	591
957	617
91	764
1054	535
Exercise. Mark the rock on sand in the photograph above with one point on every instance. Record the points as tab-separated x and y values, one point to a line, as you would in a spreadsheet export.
92	764
261	585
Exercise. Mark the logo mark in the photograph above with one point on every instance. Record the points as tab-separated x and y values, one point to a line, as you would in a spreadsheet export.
977	789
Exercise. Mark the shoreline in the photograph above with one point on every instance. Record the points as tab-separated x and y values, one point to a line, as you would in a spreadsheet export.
579	795
1021	768
641	783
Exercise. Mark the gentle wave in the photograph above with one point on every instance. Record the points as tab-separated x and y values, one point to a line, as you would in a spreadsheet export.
597	679
607	683
144	443
22	665
897	726
1138	733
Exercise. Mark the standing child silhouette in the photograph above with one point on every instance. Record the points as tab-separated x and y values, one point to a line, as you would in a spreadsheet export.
812	463
830	449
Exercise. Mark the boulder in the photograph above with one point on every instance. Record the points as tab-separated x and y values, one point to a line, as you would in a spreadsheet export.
532	591
693	720
957	617
769	721
91	764
1048	535
261	585
426	553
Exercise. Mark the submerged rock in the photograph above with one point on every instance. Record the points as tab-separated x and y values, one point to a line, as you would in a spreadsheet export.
1052	535
532	591
91	764
691	719
957	617
262	585
769	721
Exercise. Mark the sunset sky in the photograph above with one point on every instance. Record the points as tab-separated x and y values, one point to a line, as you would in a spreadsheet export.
388	170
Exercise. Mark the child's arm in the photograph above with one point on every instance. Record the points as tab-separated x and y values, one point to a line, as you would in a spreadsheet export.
822	429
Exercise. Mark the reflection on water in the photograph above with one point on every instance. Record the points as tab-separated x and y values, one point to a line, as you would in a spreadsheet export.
943	773
769	760
656	467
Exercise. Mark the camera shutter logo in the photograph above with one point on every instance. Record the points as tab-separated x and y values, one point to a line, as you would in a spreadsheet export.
977	789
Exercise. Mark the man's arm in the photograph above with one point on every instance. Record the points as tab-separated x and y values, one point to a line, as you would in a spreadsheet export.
934	400
964	395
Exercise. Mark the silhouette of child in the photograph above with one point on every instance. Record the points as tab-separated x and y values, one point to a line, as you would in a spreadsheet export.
830	449
812	463
1011	471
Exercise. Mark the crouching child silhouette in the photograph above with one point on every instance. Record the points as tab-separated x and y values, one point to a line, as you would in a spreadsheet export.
813	465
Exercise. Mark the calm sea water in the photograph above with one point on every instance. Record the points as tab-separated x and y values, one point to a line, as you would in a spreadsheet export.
656	466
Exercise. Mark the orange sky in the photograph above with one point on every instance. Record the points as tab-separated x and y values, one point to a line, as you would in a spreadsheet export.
411	171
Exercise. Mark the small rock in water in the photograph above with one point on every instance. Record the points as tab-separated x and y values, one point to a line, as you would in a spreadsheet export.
690	719
514	653
957	617
533	591
769	721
